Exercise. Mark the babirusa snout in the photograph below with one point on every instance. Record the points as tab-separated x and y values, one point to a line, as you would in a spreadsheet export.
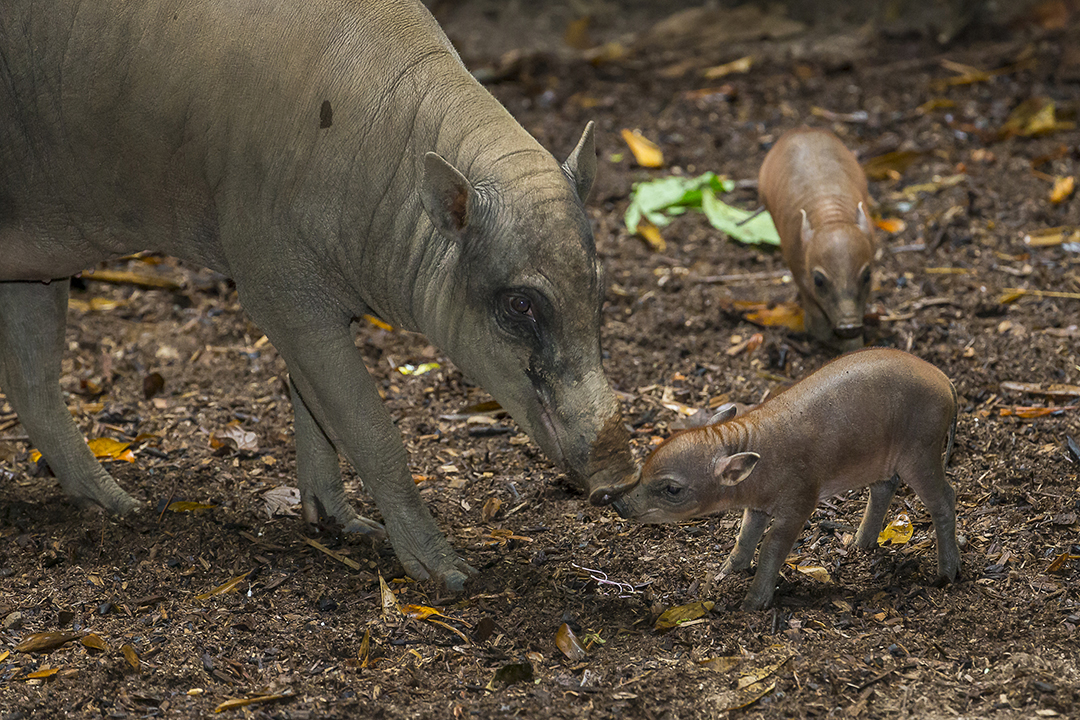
610	471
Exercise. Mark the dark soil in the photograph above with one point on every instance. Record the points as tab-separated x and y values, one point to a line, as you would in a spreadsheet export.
878	640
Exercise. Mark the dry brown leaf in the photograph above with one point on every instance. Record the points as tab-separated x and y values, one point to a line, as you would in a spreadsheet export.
491	509
891	165
1059	562
681	614
389	600
645	151
568	644
1055	390
365	648
94	642
244	440
131	656
1028	412
189	506
46	641
40	674
817	572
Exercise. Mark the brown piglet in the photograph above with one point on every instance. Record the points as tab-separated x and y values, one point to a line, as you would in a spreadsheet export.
816	192
871	417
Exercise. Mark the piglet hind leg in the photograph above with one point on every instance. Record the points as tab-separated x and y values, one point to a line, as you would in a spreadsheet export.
318	471
32	318
752	528
774	550
927	478
881	495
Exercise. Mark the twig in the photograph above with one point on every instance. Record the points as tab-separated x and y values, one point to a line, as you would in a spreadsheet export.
336	555
626	590
125	277
744	277
1041	293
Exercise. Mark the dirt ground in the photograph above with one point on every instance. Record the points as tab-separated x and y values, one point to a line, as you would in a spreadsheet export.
877	639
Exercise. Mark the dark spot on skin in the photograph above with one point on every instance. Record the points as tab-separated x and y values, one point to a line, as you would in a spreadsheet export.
326	115
459	208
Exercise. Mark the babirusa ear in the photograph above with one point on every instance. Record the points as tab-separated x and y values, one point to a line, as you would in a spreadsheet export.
807	231
446	196
724	413
580	165
862	220
733	469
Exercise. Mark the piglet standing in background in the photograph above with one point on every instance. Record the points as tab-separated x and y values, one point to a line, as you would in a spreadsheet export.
872	417
815	191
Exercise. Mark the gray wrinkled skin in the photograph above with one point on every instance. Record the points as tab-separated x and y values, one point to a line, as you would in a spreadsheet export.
869	418
334	159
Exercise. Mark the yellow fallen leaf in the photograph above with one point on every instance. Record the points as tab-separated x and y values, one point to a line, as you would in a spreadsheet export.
681	614
891	225
652	235
42	673
1031	412
108	449
4	655
1063	188
645	151
1056	566
419	612
789	315
898	532
742	65
378	323
418	369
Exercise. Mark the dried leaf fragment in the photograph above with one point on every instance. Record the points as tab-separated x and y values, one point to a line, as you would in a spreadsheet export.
817	572
1059	562
365	648
245	440
230	586
491	508
682	614
652	236
46	641
93	641
787	314
420	369
419	612
378	323
645	151
131	656
188	506
244	702
568	644
389	600
1063	188
897	532
742	65
891	225
40	674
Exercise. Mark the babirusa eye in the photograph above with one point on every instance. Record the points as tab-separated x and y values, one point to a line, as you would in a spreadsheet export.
519	305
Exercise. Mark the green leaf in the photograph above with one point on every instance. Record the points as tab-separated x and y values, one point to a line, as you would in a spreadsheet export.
656	200
726	219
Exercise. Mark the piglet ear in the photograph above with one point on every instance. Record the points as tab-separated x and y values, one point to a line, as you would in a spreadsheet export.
807	231
580	165
724	413
862	220
447	196
733	469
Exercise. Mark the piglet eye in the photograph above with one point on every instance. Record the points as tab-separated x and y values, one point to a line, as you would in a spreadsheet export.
819	279
519	305
866	276
673	490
